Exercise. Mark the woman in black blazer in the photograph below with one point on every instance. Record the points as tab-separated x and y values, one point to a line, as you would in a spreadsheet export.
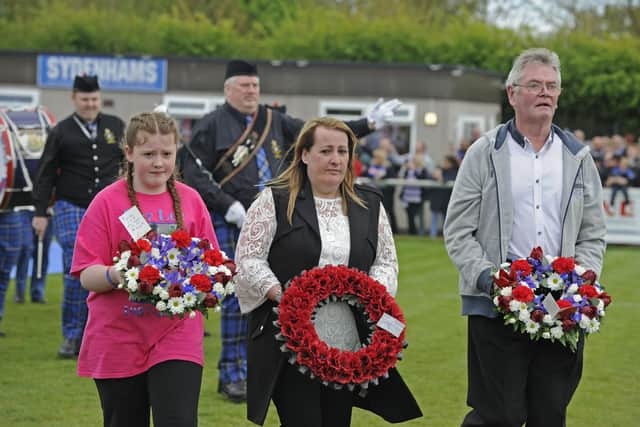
313	215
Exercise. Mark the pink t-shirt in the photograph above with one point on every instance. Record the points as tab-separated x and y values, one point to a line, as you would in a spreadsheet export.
124	338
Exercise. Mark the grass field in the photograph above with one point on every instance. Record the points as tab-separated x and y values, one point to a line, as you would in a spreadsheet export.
40	390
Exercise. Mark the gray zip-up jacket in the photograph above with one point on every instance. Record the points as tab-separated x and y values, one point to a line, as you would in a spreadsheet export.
479	221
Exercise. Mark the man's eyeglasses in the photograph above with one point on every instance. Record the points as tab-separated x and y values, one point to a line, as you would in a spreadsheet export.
536	87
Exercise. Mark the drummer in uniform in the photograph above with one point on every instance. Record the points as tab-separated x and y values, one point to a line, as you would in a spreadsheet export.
82	155
234	150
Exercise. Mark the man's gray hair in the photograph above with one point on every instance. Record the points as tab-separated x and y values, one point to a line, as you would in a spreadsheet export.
232	79
538	55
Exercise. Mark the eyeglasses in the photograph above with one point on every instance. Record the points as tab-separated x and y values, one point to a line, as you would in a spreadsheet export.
536	87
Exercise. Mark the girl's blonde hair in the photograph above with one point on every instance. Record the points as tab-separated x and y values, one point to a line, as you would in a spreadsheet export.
155	123
294	177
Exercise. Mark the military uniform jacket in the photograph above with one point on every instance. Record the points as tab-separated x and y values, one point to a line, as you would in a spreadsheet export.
76	166
216	132
391	399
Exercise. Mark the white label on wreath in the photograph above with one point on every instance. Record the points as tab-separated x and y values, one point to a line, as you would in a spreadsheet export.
551	305
135	223
391	325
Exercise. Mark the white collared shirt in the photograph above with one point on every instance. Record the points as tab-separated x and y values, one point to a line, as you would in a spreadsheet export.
536	189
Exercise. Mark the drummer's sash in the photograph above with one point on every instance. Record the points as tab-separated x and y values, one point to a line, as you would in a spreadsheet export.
238	156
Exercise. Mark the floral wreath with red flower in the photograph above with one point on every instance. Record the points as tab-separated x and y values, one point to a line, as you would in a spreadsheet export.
332	366
551	298
179	274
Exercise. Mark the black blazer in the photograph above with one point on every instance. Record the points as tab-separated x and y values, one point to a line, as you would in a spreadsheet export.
296	247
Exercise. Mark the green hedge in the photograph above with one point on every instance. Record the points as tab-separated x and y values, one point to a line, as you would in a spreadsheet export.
601	77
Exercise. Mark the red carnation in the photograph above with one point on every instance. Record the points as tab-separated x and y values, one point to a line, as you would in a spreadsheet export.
566	309
589	311
563	303
221	278
537	315
606	298
568	325
504	279
149	274
536	253
230	265
204	244
210	300
133	261
175	290
145	288
213	257
144	245
563	265
201	282
503	302
589	276
123	246
152	235
135	249
182	238
522	293
522	266
588	291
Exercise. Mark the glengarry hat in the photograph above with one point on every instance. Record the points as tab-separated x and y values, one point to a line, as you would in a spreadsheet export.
238	67
85	83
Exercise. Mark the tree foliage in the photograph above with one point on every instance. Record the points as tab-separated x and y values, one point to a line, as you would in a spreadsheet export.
599	47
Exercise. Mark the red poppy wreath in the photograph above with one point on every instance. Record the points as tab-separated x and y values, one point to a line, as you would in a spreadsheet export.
332	366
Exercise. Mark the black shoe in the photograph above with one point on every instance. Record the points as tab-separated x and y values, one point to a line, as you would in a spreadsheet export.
38	300
2	334
69	348
235	392
207	333
19	299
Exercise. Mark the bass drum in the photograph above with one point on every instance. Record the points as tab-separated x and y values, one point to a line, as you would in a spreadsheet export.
24	134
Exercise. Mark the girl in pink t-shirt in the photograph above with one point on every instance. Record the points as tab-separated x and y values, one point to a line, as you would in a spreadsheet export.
139	359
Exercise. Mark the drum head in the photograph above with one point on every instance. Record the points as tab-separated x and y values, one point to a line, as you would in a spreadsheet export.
6	164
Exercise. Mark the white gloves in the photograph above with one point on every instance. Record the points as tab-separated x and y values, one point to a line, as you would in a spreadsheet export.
382	112
161	108
236	214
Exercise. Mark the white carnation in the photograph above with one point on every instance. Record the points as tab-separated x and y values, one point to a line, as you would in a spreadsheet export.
157	289
164	294
572	289
506	292
161	306
556	332
524	316
230	288
132	285
580	269
577	297
547	319
155	253
219	288
546	335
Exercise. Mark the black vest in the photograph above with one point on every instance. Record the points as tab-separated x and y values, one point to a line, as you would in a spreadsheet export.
302	236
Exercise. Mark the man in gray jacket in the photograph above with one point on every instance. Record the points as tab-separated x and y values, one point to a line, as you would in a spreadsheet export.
525	184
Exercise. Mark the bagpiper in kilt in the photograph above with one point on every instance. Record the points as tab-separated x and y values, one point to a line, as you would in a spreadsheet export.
221	162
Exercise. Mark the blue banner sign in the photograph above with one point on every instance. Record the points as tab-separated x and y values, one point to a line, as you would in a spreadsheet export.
114	73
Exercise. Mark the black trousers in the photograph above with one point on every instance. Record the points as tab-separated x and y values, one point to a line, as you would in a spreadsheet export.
513	380
302	402
171	389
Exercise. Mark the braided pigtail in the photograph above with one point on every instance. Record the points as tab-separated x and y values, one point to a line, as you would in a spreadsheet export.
177	207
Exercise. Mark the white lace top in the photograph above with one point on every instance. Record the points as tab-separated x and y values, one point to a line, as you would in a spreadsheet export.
254	276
